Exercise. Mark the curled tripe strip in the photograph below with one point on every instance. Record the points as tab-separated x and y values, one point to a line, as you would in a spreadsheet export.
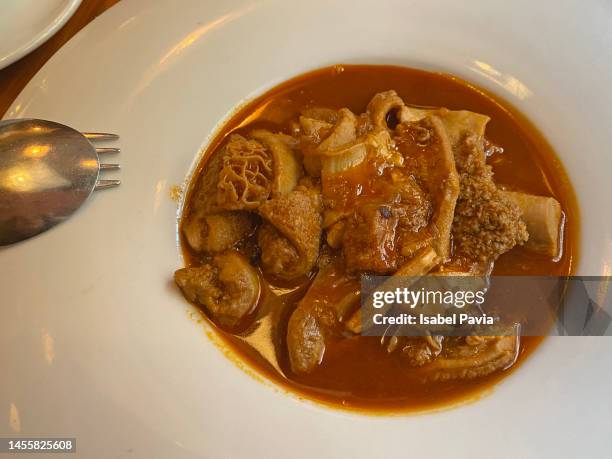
290	236
324	136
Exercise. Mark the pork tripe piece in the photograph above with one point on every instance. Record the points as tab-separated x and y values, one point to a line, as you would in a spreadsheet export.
388	106
290	236
368	242
255	168
287	170
208	227
341	132
329	299
544	219
247	174
228	287
428	155
217	232
422	263
382	105
322	131
477	357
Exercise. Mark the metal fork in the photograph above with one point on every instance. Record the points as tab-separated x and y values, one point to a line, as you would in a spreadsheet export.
104	137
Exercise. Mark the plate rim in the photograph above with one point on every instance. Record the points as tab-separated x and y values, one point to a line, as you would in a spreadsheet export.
51	29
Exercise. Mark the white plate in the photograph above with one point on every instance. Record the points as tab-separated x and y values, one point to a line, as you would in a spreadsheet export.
27	24
96	343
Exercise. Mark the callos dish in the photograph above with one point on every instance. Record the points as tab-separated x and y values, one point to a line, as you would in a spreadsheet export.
352	170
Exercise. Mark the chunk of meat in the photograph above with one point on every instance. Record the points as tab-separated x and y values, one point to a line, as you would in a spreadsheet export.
473	359
279	255
307	332
316	319
369	239
228	287
217	232
487	223
295	217
544	220
246	178
206	188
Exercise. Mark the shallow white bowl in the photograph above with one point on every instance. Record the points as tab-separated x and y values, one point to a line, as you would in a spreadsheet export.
27	24
95	342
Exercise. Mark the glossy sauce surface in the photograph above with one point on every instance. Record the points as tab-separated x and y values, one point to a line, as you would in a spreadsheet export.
356	372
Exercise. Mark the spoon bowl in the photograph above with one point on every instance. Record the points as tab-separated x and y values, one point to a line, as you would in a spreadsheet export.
47	171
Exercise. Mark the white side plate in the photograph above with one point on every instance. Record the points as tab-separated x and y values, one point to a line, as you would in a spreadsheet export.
27	24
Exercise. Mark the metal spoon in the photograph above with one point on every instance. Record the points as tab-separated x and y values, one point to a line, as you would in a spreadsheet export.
47	170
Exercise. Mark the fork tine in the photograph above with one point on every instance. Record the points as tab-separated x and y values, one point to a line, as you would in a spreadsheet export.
100	136
104	184
108	150
109	167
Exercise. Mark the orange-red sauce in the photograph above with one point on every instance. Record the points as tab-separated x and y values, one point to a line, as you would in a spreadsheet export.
357	373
